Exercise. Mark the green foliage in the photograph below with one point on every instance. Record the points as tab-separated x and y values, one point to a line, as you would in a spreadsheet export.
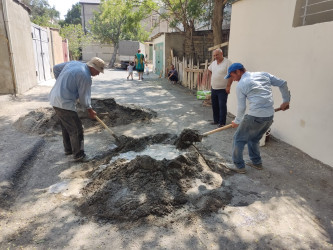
42	13
184	12
120	20
76	39
74	15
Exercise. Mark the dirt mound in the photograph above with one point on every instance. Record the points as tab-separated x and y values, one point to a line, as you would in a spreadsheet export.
43	121
40	121
128	191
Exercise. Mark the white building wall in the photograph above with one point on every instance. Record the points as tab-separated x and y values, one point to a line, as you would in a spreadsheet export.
263	39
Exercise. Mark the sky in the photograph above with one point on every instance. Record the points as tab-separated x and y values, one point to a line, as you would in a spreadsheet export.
62	6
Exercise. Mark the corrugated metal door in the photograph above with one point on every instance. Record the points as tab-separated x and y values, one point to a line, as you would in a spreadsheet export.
41	51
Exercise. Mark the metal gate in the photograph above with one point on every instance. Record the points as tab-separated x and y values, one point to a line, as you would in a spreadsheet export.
40	41
159	58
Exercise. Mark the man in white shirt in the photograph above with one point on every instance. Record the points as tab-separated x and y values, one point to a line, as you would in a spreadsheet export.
220	87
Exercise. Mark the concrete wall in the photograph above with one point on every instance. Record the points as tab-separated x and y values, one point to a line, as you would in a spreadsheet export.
263	38
19	38
56	47
6	79
87	13
102	51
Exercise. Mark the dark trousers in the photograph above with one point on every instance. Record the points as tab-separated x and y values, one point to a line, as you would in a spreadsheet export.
173	78
219	104
72	131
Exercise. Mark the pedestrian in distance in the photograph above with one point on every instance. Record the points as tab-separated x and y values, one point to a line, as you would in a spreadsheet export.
73	81
173	75
140	64
130	69
256	88
220	87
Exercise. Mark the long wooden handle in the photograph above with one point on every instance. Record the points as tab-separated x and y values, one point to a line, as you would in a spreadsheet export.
107	128
228	126
217	130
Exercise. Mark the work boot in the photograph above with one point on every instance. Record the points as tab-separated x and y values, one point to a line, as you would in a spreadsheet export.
256	166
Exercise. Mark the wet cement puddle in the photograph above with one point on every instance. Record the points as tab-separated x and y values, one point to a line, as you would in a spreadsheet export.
156	175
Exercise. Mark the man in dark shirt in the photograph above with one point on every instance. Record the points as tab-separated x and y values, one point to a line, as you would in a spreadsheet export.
173	75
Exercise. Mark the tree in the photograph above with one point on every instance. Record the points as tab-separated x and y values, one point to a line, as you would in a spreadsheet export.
76	39
120	20
184	15
42	13
73	15
217	19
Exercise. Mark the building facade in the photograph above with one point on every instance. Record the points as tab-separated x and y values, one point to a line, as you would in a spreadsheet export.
280	43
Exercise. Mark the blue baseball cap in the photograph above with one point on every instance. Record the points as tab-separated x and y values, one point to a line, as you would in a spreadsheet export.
233	67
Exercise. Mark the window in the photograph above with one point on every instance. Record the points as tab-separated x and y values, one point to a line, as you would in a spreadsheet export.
309	12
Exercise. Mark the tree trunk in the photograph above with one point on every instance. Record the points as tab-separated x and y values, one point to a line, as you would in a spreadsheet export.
217	20
189	49
114	55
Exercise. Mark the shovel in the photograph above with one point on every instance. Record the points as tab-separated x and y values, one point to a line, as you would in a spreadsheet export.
188	136
226	127
107	128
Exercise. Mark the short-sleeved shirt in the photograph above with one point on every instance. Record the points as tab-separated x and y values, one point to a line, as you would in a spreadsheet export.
219	71
130	68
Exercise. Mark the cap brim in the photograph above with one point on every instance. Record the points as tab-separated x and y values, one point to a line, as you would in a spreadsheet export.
227	76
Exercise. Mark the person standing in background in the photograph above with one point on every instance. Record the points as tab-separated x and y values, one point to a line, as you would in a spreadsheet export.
220	87
130	68
140	64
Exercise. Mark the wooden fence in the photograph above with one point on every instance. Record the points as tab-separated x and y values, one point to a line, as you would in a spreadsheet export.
192	76
195	77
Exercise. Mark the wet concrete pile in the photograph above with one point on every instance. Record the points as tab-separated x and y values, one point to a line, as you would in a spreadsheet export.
132	190
43	121
187	137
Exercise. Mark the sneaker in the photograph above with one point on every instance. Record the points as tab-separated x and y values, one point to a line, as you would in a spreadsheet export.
213	123
221	125
68	152
83	158
256	166
235	169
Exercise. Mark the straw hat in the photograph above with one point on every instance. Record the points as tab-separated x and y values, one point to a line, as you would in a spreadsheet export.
97	63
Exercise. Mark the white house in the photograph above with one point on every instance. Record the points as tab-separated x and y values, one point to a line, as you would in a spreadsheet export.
293	40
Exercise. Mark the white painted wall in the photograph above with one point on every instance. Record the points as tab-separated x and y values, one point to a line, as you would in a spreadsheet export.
263	39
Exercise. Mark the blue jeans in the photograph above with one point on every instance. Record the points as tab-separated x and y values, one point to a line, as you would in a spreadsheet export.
219	104
249	132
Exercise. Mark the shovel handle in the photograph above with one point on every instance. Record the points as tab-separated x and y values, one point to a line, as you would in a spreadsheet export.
106	127
228	126
217	130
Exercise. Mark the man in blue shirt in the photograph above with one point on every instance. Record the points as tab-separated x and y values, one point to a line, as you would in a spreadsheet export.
255	87
73	81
